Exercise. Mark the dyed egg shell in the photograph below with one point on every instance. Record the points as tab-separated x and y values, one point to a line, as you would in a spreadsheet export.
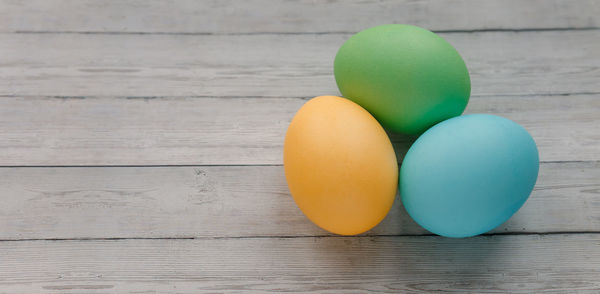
469	174
340	166
407	77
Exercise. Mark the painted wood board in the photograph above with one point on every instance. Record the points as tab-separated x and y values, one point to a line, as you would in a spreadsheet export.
236	201
263	16
232	131
500	63
498	264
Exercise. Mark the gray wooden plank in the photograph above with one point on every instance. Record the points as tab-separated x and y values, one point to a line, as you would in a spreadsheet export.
184	202
200	131
290	16
500	63
499	264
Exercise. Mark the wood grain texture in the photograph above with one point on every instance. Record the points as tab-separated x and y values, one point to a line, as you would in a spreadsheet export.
499	264
191	99
500	63
200	131
184	202
260	16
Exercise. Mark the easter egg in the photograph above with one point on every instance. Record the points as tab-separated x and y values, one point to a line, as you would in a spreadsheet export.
469	174
340	166
407	77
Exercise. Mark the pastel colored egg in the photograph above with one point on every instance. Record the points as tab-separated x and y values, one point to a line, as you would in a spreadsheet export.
407	77
469	174
340	166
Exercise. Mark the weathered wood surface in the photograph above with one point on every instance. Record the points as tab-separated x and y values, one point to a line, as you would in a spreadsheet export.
500	63
243	201
199	131
499	264
191	100
264	16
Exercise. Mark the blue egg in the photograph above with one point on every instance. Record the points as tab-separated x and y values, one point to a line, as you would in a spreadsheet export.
469	174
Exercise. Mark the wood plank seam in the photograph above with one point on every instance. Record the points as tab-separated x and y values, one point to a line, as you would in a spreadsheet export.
81	97
303	236
221	165
292	33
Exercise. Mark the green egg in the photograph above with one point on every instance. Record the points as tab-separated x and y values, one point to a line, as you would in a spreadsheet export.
407	77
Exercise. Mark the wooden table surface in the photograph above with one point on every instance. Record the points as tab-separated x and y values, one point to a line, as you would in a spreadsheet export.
141	147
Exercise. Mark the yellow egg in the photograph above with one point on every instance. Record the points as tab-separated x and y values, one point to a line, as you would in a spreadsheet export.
340	165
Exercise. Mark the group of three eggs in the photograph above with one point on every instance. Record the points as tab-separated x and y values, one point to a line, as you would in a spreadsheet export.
463	176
